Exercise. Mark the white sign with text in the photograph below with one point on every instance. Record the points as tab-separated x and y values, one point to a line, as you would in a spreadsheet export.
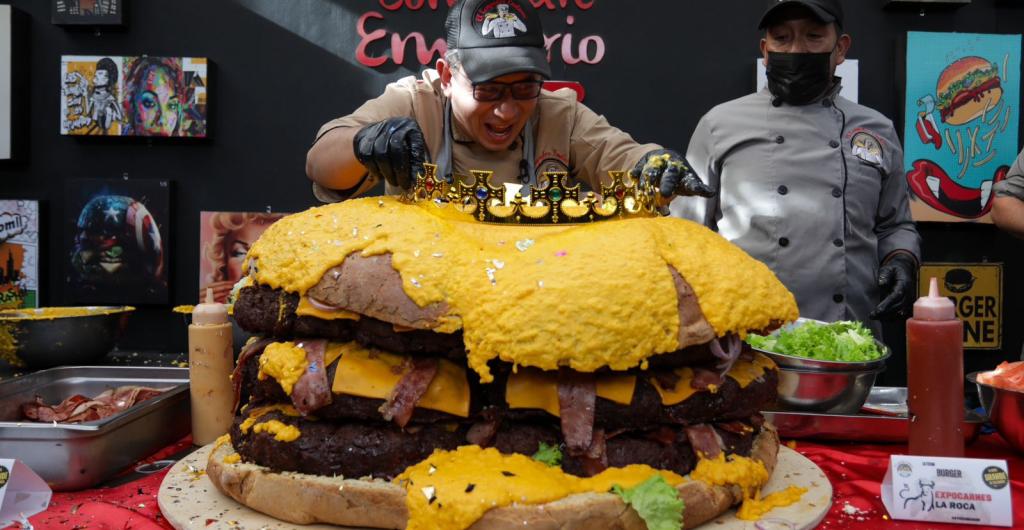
948	490
22	492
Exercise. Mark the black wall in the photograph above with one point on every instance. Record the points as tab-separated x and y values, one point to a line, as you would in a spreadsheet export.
283	67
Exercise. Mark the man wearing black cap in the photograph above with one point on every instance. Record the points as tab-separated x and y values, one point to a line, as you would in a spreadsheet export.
483	108
810	183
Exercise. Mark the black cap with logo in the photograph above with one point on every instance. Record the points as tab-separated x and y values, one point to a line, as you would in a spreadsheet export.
497	37
827	11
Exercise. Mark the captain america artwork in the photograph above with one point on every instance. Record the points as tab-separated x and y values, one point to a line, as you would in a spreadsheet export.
117	242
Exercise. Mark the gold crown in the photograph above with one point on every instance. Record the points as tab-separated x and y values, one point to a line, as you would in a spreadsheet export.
552	202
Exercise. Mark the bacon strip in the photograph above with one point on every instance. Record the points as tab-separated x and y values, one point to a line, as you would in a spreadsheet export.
703	379
402	401
595	460
253	348
577	394
78	408
312	390
482	432
705	441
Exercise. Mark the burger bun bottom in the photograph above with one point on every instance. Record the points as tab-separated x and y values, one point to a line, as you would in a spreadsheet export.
305	499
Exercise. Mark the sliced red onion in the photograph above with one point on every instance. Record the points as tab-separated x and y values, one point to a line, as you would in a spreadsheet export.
728	356
320	305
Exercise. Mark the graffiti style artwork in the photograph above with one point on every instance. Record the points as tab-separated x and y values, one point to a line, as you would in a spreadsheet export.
19	254
133	96
960	122
117	248
224	241
87	12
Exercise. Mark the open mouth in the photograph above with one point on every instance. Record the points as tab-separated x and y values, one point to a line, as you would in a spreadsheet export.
931	184
499	134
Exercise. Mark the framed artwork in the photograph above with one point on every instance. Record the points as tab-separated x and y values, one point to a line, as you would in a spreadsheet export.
960	121
6	63
19	254
133	96
116	241
87	12
224	241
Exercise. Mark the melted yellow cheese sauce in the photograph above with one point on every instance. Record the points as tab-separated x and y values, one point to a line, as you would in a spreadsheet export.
754	509
281	431
598	294
50	313
750	475
256	413
285	362
451	490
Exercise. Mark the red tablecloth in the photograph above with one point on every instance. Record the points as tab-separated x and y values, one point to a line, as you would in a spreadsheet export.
855	470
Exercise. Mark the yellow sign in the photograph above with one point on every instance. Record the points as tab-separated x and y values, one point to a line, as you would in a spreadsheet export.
977	291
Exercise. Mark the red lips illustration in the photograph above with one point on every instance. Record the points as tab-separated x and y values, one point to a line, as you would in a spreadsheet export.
932	185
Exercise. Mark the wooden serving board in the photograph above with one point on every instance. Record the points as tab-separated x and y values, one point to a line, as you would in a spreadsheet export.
189	500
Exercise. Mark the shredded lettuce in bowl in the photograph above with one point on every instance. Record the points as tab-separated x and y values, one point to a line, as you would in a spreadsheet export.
837	341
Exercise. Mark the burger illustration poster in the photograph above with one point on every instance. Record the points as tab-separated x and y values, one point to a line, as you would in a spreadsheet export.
961	120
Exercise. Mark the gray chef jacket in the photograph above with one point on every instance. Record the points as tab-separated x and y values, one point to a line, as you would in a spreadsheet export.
816	192
1013	184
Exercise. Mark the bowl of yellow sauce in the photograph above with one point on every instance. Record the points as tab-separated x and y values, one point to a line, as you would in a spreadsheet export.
59	336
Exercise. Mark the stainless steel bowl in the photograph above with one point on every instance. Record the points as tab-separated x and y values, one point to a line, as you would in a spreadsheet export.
58	336
1005	410
834	387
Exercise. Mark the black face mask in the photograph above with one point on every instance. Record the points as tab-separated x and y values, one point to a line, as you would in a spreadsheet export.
798	78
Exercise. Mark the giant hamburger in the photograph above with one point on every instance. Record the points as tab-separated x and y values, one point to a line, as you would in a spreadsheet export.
417	369
967	88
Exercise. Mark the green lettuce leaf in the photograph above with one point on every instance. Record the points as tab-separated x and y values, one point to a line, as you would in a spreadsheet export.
548	454
838	341
657	503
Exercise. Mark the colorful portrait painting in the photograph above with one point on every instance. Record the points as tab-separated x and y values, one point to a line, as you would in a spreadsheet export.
88	12
134	96
117	247
961	119
19	254
224	241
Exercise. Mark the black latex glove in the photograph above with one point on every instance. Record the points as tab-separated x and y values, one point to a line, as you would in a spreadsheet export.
669	171
898	280
393	150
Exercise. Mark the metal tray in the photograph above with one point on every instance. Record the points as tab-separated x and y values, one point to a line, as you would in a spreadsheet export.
71	457
889	425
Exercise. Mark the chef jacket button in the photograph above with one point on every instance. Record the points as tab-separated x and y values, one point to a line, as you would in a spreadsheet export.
837	242
780	139
834	144
837	298
783	190
836	192
783	241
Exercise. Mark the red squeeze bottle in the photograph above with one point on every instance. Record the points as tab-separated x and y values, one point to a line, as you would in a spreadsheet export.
935	377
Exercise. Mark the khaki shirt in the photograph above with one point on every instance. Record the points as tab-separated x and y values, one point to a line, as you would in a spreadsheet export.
817	192
1013	184
568	136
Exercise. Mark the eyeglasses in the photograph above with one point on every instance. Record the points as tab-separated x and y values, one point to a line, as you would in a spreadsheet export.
496	90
